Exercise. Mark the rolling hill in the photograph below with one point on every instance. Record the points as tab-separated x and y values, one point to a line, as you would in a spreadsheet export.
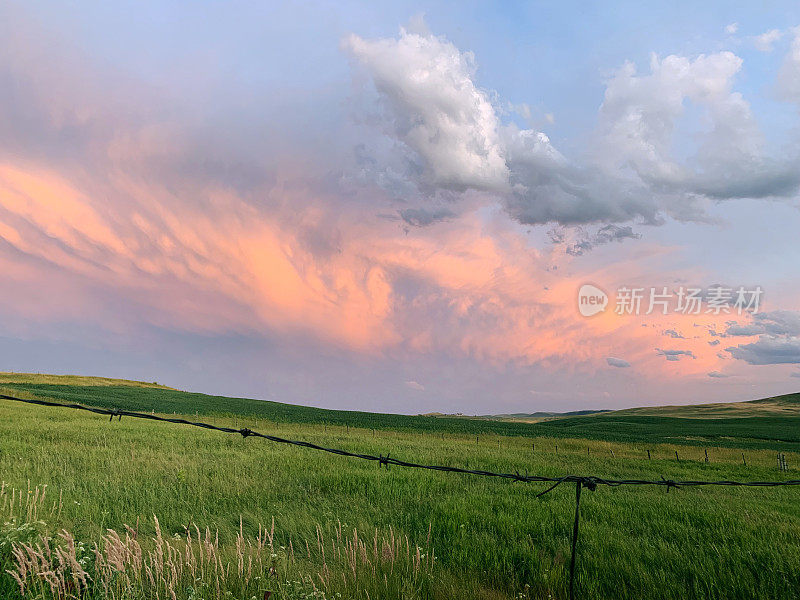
765	423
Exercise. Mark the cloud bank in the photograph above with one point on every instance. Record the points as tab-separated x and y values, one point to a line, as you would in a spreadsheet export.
447	136
137	216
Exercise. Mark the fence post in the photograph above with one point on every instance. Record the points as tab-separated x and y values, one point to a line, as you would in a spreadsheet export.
676	456
578	486
743	460
706	451
648	455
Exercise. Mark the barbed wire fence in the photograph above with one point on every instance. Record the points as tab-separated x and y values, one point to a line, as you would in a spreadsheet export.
589	482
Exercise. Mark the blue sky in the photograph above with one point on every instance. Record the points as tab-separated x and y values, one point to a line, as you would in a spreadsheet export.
392	206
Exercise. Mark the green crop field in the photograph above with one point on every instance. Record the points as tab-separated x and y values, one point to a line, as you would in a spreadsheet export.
304	524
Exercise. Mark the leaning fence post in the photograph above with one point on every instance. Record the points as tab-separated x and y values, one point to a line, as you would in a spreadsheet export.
676	456
743	460
648	455
578	486
706	451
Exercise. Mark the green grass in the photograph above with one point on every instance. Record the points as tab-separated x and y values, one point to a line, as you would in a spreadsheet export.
491	538
759	426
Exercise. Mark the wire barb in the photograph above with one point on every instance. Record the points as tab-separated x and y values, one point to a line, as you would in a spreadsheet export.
589	482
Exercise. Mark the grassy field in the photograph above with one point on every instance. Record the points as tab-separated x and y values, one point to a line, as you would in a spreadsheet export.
771	423
491	539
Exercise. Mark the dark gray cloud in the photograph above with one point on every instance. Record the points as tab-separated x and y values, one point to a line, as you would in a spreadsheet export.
779	322
617	362
739	330
604	235
776	323
673	334
717	375
675	355
713	343
778	338
422	217
768	350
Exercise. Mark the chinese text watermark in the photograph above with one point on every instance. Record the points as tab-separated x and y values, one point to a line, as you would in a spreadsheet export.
716	300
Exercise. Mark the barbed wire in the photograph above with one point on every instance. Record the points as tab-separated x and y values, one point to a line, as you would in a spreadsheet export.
590	482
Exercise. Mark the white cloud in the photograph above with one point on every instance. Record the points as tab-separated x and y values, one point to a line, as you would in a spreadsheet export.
788	83
638	122
766	40
415	386
450	139
731	28
437	109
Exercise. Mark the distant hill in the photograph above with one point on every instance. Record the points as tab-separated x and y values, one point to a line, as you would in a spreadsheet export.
534	417
786	405
67	380
766	423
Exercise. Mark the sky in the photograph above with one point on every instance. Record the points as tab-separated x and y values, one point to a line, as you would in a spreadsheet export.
405	207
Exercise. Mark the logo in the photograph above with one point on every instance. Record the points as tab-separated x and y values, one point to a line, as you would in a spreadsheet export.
591	300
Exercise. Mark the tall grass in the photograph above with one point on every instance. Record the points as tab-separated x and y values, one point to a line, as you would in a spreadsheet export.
124	566
492	538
